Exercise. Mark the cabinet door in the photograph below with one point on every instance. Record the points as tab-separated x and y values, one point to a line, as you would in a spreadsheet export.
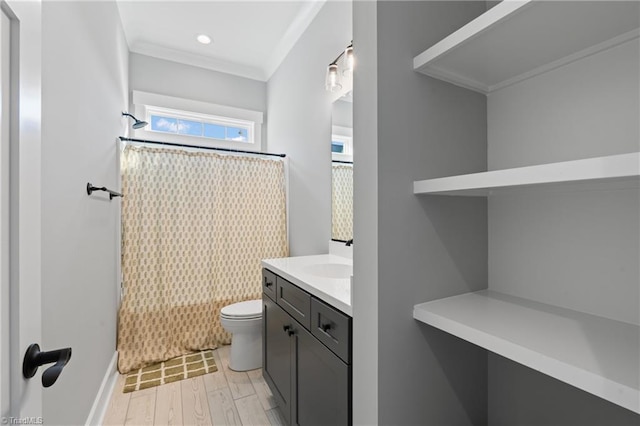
277	354
323	381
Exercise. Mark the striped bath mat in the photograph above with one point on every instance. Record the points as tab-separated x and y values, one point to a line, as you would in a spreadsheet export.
179	368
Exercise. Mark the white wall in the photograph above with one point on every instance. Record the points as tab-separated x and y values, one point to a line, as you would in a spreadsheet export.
25	205
299	124
365	210
342	114
84	90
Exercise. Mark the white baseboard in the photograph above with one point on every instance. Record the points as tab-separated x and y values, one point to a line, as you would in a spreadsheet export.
99	408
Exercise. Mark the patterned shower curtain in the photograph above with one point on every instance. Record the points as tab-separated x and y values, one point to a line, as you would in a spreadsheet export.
195	226
342	201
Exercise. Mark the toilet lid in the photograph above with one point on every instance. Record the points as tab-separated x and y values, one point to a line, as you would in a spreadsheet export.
248	309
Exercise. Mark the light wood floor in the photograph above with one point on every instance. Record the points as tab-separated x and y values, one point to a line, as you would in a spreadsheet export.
222	398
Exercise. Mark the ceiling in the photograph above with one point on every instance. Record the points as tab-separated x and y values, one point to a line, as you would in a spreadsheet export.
250	38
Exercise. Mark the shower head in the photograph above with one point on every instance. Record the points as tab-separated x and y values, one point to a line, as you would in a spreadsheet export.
139	124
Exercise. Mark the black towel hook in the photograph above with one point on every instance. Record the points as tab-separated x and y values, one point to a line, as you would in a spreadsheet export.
112	194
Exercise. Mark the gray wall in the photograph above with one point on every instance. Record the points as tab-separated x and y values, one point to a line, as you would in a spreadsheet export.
153	75
576	249
585	109
169	78
431	247
84	88
427	247
522	396
299	124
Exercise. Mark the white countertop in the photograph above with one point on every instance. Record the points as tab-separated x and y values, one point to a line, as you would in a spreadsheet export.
334	291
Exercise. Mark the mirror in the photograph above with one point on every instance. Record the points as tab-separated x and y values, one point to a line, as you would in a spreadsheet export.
342	169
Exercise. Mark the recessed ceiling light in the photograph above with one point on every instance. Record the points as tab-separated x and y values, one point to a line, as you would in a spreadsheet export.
204	39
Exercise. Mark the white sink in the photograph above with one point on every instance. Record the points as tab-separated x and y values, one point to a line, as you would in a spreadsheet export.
330	270
325	276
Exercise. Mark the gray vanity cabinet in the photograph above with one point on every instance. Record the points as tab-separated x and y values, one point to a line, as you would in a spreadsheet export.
310	378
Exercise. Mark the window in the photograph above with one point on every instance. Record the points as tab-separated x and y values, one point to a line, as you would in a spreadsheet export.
187	121
199	125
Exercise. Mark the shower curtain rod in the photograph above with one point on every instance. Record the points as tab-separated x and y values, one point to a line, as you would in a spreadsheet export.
122	138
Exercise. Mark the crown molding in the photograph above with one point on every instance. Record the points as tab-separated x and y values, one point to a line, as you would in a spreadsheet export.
297	27
161	52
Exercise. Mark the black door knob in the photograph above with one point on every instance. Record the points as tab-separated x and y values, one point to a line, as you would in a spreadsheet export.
34	358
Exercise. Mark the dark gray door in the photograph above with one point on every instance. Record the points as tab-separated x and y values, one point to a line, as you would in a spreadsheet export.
277	354
323	384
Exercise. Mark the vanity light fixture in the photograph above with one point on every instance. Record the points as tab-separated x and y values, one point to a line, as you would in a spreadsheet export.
332	82
203	38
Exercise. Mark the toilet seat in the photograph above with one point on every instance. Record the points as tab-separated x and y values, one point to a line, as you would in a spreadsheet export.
250	309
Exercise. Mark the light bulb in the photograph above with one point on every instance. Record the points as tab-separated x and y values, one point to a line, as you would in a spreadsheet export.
333	75
333	78
349	60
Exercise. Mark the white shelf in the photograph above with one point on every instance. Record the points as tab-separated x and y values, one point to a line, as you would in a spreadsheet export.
516	40
623	168
595	354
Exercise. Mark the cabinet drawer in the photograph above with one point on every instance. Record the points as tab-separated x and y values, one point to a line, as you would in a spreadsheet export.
332	328
295	301
269	283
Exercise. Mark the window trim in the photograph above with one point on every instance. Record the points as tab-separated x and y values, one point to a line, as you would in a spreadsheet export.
344	135
144	103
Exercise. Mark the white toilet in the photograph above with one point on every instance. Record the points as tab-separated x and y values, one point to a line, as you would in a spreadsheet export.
244	321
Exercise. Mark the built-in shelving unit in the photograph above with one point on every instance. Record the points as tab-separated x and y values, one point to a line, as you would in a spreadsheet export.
619	169
521	40
595	354
516	40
